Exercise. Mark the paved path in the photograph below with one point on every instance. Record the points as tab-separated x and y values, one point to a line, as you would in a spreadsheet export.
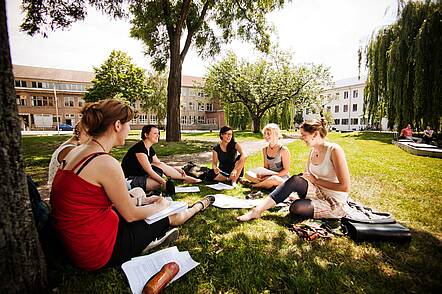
249	147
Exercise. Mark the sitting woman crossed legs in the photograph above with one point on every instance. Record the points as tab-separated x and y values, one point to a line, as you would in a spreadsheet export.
323	187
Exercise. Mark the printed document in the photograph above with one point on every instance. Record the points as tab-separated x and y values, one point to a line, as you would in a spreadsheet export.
224	201
174	207
140	269
220	186
260	170
190	189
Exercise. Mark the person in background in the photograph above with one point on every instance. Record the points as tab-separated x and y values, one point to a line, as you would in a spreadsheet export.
428	135
142	167
276	158
79	136
406	133
228	158
323	187
92	211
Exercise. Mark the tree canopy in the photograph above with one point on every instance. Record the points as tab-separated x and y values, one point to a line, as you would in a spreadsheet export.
117	76
162	25
404	62
269	83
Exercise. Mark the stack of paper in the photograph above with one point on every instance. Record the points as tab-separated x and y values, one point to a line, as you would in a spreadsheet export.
224	201
189	189
174	207
220	186
140	269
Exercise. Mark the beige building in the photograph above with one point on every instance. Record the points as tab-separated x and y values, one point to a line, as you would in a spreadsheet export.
43	94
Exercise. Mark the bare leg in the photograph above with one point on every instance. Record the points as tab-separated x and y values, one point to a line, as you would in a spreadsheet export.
176	175
256	212
270	182
220	178
239	165
152	185
180	218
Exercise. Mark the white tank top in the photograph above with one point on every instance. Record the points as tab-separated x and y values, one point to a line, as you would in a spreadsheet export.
326	171
54	164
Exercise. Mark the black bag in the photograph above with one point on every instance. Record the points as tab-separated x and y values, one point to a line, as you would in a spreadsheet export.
386	229
170	187
196	171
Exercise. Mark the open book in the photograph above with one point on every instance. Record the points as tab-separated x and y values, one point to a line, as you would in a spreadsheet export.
174	207
262	171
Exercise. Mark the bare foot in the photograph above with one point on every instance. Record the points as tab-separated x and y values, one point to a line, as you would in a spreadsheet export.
191	180
252	214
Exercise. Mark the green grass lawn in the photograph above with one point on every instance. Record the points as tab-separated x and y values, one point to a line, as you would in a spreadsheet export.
263	256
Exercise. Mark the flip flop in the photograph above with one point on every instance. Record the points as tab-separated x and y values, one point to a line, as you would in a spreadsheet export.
210	199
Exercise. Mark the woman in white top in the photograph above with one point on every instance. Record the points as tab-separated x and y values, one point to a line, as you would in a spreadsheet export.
79	136
276	158
323	187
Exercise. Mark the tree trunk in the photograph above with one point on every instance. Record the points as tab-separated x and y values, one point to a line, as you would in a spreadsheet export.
23	268
256	124
173	130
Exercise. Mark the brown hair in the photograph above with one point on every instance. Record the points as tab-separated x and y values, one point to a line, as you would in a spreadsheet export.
146	130
98	116
311	126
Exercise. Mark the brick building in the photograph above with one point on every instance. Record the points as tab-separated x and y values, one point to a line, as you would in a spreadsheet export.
37	87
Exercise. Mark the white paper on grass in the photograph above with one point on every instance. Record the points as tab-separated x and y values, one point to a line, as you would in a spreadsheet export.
140	269
220	186
190	189
174	207
224	201
260	170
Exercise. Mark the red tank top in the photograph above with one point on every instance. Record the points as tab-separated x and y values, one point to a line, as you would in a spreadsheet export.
84	218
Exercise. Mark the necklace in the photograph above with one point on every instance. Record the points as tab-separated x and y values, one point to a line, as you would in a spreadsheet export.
271	148
96	141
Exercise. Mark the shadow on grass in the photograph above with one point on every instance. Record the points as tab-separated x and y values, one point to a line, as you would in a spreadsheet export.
373	136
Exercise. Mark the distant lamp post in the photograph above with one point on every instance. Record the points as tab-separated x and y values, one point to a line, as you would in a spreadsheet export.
56	110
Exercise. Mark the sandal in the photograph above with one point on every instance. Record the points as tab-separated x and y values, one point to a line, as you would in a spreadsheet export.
210	199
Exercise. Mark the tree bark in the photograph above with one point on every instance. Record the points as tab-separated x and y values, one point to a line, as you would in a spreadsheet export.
173	132
256	124
23	268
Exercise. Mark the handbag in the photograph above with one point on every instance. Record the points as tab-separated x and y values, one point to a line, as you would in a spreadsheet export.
371	231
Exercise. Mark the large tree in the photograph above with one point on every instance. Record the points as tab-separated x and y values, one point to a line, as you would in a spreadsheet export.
117	76
22	265
265	84
168	29
404	62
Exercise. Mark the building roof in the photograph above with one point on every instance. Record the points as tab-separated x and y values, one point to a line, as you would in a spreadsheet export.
190	81
52	74
350	82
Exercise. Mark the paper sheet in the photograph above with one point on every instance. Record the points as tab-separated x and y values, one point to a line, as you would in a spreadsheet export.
260	170
224	201
220	186
174	207
140	269
190	189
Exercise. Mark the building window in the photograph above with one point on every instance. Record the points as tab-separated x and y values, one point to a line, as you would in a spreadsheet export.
354	121
153	119
142	118
337	121
200	106
337	95
345	94
80	102
355	107
42	101
192	119
19	83
201	119
336	108
191	106
184	120
345	108
355	93
183	106
200	94
37	84
69	101
21	100
328	108
345	121
209	106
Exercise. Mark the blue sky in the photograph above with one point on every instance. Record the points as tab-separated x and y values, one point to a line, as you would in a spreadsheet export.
317	31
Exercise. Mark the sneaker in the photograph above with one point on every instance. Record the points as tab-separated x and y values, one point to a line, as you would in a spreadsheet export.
255	195
168	238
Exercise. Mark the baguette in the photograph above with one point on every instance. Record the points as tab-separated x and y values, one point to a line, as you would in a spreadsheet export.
162	278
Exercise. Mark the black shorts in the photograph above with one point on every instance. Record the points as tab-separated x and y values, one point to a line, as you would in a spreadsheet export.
211	175
141	181
133	237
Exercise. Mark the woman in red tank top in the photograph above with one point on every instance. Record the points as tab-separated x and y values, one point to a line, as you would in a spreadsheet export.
97	220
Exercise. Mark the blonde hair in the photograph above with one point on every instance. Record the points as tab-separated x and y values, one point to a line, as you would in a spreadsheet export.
274	129
313	125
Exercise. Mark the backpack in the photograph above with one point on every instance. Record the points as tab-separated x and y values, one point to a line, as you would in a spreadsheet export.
196	171
40	209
